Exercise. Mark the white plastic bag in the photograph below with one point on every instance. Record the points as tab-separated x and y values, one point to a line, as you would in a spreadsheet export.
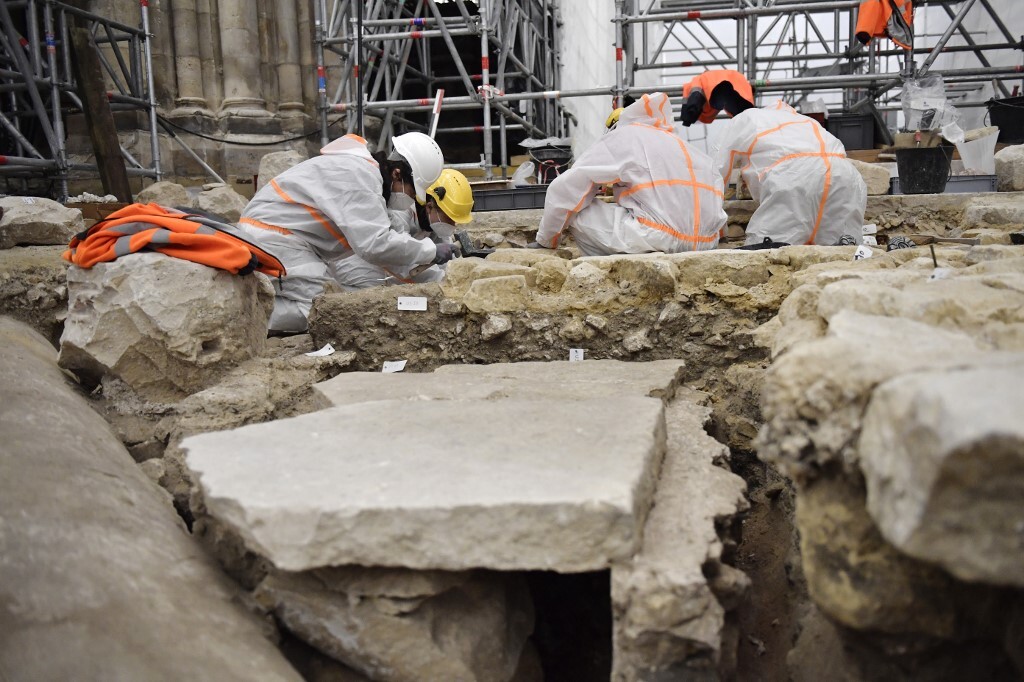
523	174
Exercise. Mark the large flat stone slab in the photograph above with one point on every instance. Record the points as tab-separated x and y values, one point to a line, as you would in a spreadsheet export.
537	380
536	484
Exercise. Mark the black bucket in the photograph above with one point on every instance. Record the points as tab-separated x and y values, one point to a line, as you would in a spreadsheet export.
1008	114
923	170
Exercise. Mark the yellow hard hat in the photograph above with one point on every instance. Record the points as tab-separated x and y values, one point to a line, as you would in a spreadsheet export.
453	195
613	118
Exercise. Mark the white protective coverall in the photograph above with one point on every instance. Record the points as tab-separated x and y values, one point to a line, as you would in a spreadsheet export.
808	191
322	210
668	196
354	273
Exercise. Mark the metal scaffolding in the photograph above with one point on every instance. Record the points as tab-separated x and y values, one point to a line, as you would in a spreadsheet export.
38	89
396	56
793	48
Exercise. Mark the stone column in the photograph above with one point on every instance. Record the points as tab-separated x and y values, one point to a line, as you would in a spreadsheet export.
187	59
240	45
209	50
308	63
289	73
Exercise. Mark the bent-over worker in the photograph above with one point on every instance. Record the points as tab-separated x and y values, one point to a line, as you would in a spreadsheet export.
668	196
807	190
449	202
332	207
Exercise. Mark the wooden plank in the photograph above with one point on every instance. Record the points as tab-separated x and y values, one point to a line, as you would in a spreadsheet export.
98	117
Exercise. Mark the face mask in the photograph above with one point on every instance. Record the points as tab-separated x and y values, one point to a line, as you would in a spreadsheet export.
400	201
443	230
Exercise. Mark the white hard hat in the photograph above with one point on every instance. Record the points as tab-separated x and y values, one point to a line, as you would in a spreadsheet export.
425	159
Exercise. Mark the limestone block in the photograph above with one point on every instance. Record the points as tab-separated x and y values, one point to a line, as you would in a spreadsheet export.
497	294
814	394
583	278
405	627
994	209
943	457
495	326
459	274
741	268
164	326
856	577
875	177
99	578
223	201
540	488
34	221
33	288
489	268
275	163
165	193
665	615
1010	168
523	380
551	274
527	257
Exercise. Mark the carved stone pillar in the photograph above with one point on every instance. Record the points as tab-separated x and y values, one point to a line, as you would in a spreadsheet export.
289	72
309	91
209	51
187	58
240	51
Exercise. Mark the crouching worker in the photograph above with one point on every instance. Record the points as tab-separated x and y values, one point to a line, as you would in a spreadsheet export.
668	197
713	91
807	190
331	207
449	203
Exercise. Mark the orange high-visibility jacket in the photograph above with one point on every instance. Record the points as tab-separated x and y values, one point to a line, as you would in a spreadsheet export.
140	227
875	19
709	80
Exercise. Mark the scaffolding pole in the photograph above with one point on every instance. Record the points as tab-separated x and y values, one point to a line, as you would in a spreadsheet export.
400	49
41	89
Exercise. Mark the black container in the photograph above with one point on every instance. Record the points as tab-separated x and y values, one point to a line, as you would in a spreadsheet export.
924	170
855	131
1008	114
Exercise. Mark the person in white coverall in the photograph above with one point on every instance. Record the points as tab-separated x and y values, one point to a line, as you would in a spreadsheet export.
449	202
331	207
668	196
807	190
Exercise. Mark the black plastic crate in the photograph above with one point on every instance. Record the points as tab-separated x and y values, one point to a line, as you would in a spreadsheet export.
855	131
510	199
1008	114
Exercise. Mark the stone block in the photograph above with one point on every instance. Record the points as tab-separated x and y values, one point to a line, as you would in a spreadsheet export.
99	578
526	257
668	624
397	625
166	327
223	201
943	457
876	177
33	288
497	294
34	221
1010	168
275	163
994	210
165	193
542	488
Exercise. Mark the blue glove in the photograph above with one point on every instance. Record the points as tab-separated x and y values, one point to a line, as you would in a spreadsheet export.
445	252
535	245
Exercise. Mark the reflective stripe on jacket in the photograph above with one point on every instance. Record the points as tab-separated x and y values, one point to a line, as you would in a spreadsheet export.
150	227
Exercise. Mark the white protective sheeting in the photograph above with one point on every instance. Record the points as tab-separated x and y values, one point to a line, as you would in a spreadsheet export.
668	195
808	191
322	210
